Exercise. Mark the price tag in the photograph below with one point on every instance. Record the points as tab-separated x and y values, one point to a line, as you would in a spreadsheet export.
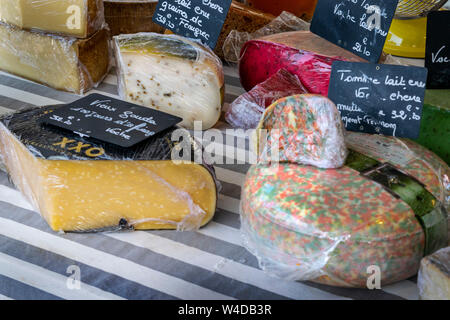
437	57
379	98
197	19
110	120
360	26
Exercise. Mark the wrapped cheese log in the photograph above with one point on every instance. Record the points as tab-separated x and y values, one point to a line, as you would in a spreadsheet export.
69	64
77	18
81	185
300	52
246	111
386	207
172	74
434	276
131	16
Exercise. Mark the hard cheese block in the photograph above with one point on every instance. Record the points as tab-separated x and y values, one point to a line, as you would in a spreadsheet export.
435	123
124	17
69	64
80	185
171	74
79	18
381	209
434	276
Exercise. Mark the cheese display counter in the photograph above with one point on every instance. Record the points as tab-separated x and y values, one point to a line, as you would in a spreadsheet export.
278	198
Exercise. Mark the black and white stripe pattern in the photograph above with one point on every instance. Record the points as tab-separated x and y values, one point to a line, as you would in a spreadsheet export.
208	264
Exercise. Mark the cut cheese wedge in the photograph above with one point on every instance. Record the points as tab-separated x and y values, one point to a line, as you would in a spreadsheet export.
434	276
70	64
171	74
79	185
78	18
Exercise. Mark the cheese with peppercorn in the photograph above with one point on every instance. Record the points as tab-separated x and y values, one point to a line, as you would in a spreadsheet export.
172	74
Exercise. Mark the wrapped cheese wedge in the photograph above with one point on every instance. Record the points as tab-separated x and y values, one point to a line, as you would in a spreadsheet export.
131	16
172	74
300	52
77	18
383	210
64	63
434	276
82	186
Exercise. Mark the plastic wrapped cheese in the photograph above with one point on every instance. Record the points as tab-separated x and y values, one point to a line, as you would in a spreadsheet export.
246	111
64	63
78	18
300	52
386	208
303	129
172	74
82	185
434	276
131	16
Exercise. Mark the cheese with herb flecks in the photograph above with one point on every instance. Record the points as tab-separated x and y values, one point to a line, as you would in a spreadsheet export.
171	74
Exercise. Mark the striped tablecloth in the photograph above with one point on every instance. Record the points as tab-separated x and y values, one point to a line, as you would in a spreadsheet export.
208	264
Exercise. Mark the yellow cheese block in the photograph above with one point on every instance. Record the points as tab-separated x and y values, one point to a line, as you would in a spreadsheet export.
64	63
99	192
79	18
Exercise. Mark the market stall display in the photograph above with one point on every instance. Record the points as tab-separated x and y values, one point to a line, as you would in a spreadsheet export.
76	18
80	185
434	276
172	74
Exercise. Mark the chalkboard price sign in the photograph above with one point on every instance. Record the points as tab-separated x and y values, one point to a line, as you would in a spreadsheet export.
197	19
437	57
379	98
360	26
110	120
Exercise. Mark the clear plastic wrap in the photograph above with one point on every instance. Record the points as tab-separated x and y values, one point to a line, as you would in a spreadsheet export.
241	18
64	63
303	129
81	185
131	16
76	18
386	207
434	276
246	111
300	52
236	39
172	74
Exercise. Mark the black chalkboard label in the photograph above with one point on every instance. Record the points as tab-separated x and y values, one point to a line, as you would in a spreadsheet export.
437	56
110	120
360	26
196	19
379	98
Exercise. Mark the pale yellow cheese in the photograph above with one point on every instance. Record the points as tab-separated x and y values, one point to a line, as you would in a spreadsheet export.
79	18
86	195
68	64
434	276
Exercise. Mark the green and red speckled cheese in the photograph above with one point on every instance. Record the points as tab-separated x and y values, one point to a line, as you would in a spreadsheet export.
386	207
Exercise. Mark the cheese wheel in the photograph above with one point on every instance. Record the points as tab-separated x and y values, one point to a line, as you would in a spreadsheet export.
384	209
